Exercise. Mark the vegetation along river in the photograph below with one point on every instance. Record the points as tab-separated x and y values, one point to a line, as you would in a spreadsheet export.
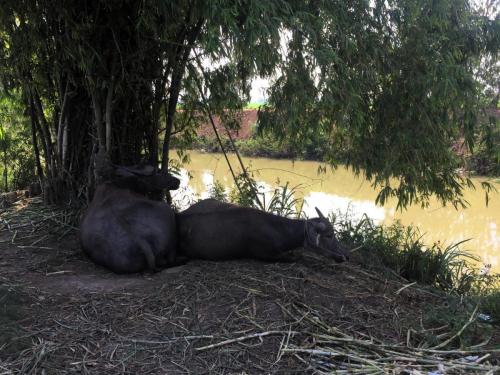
340	190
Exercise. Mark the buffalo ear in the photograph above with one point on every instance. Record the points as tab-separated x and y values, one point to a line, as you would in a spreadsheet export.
320	214
314	230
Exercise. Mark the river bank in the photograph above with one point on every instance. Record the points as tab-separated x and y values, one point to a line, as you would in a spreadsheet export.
476	165
62	313
481	163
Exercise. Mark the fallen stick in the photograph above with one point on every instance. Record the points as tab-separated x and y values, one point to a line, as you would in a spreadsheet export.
468	323
243	338
404	287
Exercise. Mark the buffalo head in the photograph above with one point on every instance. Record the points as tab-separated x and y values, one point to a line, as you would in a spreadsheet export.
144	179
320	237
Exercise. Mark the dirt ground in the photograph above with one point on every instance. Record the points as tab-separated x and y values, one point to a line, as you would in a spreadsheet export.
63	314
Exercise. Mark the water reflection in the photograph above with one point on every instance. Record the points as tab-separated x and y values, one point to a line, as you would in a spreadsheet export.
341	191
331	203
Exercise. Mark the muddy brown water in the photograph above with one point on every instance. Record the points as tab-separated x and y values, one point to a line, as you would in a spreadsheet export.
341	191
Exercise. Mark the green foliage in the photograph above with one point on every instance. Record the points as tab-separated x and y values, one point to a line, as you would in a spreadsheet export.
392	85
283	202
17	165
454	321
486	157
266	146
463	320
386	84
244	192
490	303
218	191
263	145
401	249
253	105
468	291
12	312
207	144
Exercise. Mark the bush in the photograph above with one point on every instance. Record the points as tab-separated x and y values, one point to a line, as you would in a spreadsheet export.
17	163
263	145
218	191
401	249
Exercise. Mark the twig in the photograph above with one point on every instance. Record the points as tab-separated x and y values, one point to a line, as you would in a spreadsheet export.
404	287
58	273
469	322
243	338
356	248
168	341
36	247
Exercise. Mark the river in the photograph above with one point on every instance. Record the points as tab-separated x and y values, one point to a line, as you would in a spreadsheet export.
340	190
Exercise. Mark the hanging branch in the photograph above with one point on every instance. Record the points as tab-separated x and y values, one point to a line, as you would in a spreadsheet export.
208	112
219	140
233	145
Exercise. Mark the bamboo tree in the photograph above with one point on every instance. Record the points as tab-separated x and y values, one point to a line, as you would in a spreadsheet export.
391	83
4	144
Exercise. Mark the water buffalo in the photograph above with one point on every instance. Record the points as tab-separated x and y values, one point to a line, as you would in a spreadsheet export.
215	230
126	231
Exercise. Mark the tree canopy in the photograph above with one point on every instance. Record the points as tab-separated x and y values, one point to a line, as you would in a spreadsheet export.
390	82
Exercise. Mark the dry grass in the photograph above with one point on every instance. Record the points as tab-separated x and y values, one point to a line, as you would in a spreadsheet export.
64	315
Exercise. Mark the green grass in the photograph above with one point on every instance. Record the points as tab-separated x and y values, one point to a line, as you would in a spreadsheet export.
281	202
470	298
446	267
254	105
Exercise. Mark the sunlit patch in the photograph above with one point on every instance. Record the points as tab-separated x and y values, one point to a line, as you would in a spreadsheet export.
185	195
208	179
485	270
265	191
331	203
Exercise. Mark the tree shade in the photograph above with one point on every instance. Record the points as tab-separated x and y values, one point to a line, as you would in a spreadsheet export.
391	83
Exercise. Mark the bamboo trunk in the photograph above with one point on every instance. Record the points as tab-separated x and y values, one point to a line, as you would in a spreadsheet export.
109	114
34	141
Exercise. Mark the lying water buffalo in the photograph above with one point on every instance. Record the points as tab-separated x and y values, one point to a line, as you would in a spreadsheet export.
215	230
125	231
